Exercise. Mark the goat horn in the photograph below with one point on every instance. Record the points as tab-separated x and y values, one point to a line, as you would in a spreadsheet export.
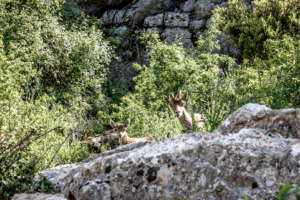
172	95
179	94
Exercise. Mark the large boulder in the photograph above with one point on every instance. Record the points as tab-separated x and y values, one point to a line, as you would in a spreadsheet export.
281	123
172	35
38	196
203	9
188	6
57	175
176	19
241	157
153	21
254	152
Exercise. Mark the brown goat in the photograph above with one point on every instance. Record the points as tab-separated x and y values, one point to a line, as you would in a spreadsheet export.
177	104
124	138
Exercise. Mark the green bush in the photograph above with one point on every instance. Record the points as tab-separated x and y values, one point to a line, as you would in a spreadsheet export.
217	85
250	28
50	59
51	84
171	68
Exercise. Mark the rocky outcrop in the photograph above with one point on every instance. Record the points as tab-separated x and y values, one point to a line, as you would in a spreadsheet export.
39	196
255	152
274	123
58	174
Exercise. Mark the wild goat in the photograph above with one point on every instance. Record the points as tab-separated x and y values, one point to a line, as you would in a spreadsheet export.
183	116
123	137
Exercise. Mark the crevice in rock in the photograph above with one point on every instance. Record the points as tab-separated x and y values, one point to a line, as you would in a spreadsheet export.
152	174
254	185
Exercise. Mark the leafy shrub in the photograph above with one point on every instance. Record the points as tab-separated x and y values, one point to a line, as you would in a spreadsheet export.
51	79
171	68
217	85
250	28
50	59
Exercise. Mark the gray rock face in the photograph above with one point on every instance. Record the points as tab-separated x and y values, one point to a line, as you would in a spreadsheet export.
118	17
221	5
238	158
145	8
203	9
255	152
207	23
188	6
176	20
38	196
57	175
153	21
176	35
284	123
197	24
108	16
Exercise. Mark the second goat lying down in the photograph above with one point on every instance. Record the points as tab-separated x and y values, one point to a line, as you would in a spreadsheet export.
177	103
124	138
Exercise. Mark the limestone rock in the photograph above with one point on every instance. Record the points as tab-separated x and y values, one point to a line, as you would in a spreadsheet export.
38	196
197	24
153	31
118	18
221	5
176	19
218	165
203	9
57	175
207	23
108	16
144	8
284	122
174	34
153	21
187	6
254	152
217	1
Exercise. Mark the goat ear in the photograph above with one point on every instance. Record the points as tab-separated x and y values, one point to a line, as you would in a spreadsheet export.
112	123
185	96
166	99
127	122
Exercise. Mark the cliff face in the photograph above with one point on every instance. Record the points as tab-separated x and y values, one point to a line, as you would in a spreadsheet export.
255	152
169	18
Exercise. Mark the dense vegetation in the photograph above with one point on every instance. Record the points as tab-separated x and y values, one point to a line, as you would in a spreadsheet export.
51	83
55	82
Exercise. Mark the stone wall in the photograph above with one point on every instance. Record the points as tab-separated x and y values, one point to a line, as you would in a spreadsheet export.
169	18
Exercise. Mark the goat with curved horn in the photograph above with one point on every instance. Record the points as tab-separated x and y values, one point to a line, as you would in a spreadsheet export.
177	104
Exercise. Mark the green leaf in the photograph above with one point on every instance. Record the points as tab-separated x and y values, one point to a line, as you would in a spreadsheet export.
286	191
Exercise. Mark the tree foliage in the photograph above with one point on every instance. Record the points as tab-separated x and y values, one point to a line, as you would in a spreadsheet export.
51	79
250	27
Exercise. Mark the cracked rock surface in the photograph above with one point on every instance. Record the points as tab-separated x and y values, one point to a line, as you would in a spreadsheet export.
255	152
